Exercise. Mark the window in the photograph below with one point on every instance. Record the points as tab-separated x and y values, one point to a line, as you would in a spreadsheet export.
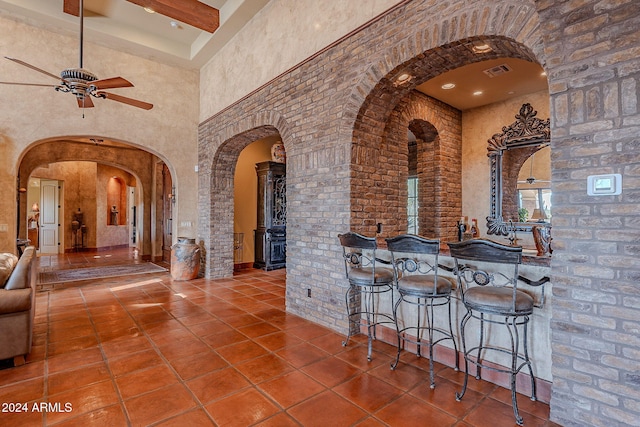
535	204
412	205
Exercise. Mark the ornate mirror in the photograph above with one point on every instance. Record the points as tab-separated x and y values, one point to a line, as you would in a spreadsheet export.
508	151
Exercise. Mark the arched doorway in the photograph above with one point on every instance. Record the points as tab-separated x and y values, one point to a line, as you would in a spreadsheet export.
247	201
102	160
218	216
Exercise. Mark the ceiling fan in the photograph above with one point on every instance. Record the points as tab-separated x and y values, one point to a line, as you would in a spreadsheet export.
82	83
532	179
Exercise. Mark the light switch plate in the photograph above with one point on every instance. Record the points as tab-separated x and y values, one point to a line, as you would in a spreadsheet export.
604	185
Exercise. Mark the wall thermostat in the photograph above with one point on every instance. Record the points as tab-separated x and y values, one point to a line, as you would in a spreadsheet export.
604	185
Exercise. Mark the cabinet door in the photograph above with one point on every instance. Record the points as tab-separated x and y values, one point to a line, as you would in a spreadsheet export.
278	251
279	201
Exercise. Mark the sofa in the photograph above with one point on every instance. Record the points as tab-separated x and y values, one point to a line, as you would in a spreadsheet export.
17	304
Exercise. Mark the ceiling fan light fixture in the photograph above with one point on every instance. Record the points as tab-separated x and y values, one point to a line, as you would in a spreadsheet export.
78	75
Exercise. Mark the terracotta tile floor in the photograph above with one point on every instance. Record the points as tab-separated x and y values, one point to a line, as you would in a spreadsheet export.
145	350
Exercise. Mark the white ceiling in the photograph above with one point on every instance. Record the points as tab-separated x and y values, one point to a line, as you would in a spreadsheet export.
125	26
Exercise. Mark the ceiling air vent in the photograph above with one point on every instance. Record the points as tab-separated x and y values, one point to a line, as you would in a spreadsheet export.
497	70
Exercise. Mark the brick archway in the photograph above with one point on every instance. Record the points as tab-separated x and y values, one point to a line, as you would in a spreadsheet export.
217	191
377	128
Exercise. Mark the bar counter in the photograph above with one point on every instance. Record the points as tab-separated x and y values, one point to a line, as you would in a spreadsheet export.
532	269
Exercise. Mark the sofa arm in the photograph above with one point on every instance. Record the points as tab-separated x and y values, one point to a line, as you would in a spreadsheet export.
15	301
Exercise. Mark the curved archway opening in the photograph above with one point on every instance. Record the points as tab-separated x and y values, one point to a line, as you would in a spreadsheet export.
94	175
379	187
221	247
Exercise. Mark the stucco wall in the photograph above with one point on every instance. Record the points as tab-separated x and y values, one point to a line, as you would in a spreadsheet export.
30	114
478	125
281	35
78	181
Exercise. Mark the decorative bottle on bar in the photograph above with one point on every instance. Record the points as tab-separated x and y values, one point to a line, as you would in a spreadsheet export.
462	227
475	232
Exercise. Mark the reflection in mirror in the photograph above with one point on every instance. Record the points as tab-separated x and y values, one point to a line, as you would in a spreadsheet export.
412	186
534	187
521	142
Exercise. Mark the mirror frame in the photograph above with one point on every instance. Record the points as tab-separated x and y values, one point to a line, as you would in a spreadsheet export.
526	131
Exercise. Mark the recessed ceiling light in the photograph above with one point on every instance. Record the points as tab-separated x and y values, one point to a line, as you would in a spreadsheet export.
543	74
402	78
478	92
174	24
149	10
448	86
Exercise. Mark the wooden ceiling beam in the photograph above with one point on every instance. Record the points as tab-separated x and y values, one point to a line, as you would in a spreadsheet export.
190	12
72	7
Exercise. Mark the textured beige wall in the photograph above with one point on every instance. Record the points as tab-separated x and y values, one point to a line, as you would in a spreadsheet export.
281	35
245	187
111	235
30	114
478	125
78	191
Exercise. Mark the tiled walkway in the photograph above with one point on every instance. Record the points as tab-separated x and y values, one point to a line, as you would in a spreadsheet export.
146	350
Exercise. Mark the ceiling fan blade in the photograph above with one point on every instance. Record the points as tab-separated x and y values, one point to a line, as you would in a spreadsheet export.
26	84
17	61
111	83
125	100
85	102
191	12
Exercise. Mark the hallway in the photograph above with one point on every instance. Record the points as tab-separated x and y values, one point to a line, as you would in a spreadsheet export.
146	350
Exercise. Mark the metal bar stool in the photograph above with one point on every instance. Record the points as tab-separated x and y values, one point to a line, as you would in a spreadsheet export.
367	280
415	263
490	294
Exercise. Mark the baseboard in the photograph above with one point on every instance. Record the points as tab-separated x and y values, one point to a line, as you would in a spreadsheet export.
242	266
94	249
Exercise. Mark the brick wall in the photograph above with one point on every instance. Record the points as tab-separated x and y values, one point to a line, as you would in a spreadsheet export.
438	132
337	113
592	52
